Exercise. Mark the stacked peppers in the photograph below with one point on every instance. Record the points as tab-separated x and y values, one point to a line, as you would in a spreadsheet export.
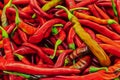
60	39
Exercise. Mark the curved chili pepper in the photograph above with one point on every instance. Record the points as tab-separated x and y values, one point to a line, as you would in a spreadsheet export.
101	12
24	50
7	45
95	19
75	54
15	37
107	40
38	36
92	34
78	42
61	58
25	27
22	58
30	69
3	17
42	1
22	35
18	2
53	40
93	10
61	38
82	63
38	10
92	44
21	13
105	4
50	4
101	29
85	3
39	52
111	49
70	4
70	38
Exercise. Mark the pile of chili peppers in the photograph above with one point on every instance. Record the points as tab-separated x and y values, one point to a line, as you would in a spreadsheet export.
60	40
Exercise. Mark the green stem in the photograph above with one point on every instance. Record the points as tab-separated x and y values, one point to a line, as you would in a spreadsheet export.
17	18
20	57
111	21
4	17
114	8
18	74
54	30
72	46
4	32
95	69
78	8
70	15
58	42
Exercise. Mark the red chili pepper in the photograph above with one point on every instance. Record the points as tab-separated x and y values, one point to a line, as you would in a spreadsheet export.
70	4
61	58
38	10
111	49
107	40
70	38
101	12
93	10
22	14
101	29
92	34
104	4
30	69
38	36
24	50
7	46
15	37
82	63
78	42
85	3
75	54
60	39
53	40
18	2
22	58
27	10
1	5
23	36
118	8
67	26
39	52
42	1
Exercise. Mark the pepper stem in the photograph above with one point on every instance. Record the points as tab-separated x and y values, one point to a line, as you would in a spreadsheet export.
20	57
17	18
70	15
72	46
95	69
114	8
4	32
18	74
111	21
58	42
3	17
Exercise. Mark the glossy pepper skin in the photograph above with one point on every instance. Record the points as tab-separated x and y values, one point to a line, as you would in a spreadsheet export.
7	45
92	44
30	69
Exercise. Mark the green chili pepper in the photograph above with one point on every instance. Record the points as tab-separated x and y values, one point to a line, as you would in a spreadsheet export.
91	43
3	17
50	4
114	8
